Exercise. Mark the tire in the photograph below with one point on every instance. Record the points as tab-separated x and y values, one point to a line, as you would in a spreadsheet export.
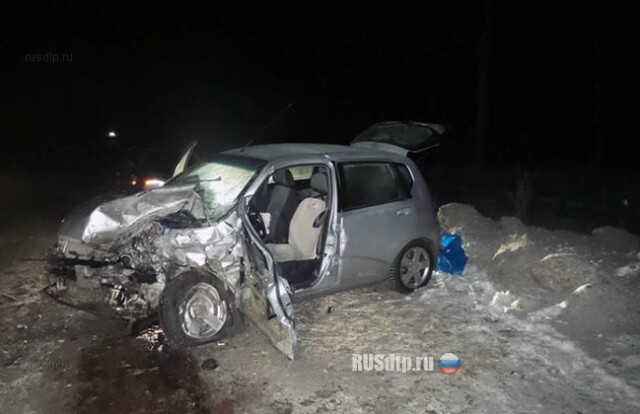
399	277
185	300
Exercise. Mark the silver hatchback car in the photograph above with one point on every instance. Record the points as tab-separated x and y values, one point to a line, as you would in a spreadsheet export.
251	230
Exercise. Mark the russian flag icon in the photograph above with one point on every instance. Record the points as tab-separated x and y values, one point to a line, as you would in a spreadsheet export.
449	363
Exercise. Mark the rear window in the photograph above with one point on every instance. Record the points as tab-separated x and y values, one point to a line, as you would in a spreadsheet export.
299	173
302	172
370	184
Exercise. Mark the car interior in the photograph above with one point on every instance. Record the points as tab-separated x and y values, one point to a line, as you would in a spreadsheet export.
289	212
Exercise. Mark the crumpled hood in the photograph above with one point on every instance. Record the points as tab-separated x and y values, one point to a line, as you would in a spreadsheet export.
104	221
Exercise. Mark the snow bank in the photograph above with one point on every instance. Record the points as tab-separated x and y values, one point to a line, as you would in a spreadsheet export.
543	266
586	285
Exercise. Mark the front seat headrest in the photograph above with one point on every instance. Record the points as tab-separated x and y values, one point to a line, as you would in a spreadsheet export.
284	177
320	183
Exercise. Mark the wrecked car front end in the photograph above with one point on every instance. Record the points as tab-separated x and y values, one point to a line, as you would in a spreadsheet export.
178	252
117	256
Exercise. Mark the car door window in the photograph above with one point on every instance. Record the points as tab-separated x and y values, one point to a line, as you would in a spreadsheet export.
368	184
405	180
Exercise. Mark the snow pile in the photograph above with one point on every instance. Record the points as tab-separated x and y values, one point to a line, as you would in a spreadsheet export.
617	239
542	266
482	294
584	285
628	270
517	242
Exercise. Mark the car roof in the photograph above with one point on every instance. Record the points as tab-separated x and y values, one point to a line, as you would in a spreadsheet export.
280	152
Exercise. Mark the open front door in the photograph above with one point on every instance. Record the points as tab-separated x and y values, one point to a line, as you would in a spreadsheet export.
265	296
400	137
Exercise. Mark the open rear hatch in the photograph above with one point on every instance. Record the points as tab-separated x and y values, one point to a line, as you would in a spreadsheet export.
401	137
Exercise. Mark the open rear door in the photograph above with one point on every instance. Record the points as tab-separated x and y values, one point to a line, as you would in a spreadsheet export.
265	296
400	137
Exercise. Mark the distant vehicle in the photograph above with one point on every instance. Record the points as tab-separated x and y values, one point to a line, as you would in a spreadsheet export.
146	168
252	229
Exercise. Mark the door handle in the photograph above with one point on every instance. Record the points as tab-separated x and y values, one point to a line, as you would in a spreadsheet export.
403	211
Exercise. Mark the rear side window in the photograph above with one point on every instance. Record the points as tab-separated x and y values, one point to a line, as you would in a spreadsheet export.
406	180
369	184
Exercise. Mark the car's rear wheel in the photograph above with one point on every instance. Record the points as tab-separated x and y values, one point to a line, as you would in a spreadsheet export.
195	309
412	268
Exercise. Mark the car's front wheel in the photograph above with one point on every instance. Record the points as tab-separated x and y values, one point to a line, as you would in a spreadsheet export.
412	268
195	309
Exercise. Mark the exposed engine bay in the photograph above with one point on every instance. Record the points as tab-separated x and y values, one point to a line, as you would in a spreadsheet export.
117	256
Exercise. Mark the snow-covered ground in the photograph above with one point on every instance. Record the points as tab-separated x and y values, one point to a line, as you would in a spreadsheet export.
544	321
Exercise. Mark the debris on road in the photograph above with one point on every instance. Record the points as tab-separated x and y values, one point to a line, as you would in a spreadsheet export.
209	364
451	258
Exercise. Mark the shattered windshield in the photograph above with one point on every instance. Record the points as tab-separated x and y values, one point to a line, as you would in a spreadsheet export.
220	182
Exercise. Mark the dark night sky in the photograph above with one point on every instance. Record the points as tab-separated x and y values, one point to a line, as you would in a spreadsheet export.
561	82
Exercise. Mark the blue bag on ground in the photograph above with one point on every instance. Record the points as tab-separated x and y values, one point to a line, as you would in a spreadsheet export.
451	258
